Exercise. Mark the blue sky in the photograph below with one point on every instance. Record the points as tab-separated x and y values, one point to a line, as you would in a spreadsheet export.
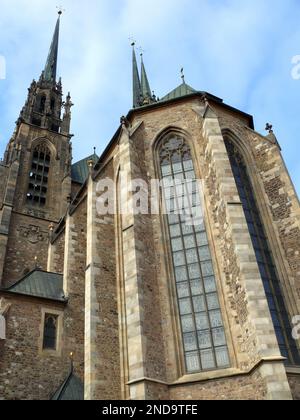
238	50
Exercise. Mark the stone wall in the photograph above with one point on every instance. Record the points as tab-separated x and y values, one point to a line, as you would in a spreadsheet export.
28	227
246	387
277	200
74	282
102	354
28	137
25	372
28	237
249	328
57	254
3	177
294	381
143	316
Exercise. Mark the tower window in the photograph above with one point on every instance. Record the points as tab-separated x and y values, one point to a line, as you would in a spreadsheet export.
50	332
42	104
203	333
264	257
55	128
36	121
38	176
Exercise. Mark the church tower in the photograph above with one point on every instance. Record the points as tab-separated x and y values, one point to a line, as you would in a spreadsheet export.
35	173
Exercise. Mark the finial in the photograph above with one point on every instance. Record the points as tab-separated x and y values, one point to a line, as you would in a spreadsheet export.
72	360
204	99
94	150
51	227
182	75
132	41
90	164
141	50
60	10
36	262
269	128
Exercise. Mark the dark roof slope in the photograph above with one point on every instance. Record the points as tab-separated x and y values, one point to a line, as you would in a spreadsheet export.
80	170
182	90
71	390
40	284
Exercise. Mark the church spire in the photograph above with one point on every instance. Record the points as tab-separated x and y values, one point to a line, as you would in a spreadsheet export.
51	64
137	91
145	86
44	103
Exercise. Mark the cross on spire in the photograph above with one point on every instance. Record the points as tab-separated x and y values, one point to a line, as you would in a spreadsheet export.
182	75
269	127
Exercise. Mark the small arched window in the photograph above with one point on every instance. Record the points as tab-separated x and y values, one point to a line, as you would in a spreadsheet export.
50	332
38	176
204	340
264	256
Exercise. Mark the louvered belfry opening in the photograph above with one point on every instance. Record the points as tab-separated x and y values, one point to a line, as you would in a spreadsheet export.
39	175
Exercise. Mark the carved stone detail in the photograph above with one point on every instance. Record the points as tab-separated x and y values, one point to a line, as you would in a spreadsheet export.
33	234
4	306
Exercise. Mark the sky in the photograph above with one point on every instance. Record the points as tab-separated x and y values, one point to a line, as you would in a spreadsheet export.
244	52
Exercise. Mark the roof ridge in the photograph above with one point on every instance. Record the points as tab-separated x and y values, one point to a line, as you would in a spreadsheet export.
87	157
181	90
63	385
61	390
27	275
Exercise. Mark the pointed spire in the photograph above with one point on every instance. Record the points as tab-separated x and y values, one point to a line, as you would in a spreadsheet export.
137	91
51	64
145	86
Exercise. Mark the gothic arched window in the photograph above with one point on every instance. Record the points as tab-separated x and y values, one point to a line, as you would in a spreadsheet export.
264	257
50	332
203	334
38	177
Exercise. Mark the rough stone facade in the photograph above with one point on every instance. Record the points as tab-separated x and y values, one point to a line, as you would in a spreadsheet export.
120	315
26	373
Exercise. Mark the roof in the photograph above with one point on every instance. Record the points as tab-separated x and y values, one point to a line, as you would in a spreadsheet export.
71	389
80	170
40	284
181	90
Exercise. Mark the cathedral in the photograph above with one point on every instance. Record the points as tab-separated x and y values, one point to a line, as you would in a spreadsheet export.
143	305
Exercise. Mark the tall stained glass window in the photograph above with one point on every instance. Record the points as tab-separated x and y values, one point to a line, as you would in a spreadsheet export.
203	334
264	257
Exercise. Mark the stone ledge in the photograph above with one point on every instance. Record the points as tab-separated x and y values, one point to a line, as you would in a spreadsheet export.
210	376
